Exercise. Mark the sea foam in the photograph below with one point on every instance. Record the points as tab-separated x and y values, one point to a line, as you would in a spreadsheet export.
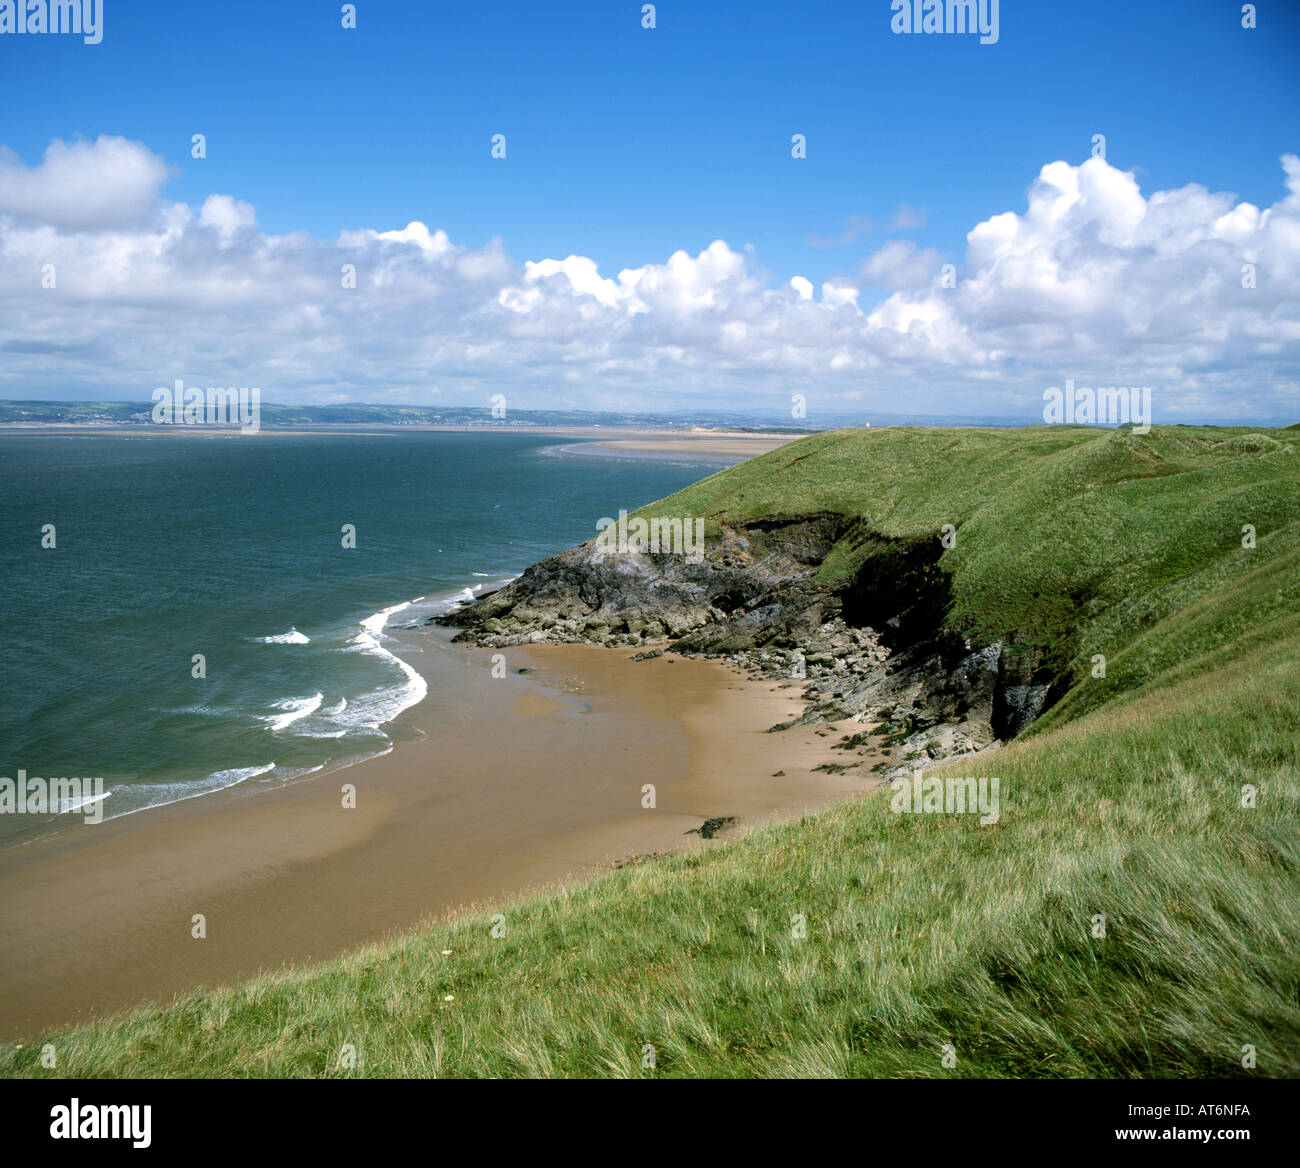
294	709
371	710
292	637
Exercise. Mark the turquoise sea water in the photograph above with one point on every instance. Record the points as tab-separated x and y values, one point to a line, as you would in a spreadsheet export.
230	546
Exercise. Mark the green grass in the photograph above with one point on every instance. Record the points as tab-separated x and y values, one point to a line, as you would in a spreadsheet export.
921	930
1070	541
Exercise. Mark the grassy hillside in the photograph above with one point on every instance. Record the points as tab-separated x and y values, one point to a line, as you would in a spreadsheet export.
921	930
1076	541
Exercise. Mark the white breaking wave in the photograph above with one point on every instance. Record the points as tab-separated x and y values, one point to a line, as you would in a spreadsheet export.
373	709
291	773
66	806
455	600
292	637
295	708
220	780
163	794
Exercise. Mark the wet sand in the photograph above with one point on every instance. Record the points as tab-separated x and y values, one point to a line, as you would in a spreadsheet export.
674	444
504	784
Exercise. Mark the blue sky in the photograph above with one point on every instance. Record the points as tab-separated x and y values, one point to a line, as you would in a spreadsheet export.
625	144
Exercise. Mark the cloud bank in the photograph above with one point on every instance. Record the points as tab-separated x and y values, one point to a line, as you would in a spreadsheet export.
1091	280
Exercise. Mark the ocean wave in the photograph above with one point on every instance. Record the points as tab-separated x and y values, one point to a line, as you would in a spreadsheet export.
358	717
290	773
371	710
292	637
69	805
294	710
468	595
220	780
149	795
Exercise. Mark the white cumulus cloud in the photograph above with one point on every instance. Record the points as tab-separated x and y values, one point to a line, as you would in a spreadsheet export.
83	185
1092	279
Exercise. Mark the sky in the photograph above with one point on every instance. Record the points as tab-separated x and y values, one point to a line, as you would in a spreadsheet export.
650	241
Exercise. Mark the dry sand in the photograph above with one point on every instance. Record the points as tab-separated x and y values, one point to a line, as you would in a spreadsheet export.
504	784
674	444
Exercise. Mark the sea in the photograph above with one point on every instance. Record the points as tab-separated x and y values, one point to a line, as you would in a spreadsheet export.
186	614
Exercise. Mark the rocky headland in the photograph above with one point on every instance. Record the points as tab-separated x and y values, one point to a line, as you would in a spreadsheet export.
871	655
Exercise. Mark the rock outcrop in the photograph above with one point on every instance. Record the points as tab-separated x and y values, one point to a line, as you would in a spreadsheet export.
756	585
871	652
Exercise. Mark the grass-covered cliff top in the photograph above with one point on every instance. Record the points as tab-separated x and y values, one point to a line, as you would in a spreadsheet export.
1135	911
1077	540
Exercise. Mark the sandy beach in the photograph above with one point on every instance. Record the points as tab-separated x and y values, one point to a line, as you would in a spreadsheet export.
498	785
674	444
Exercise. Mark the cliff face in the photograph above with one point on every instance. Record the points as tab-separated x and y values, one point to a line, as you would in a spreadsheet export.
868	651
754	585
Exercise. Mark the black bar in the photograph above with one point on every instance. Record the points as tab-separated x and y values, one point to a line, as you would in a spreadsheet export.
371	1116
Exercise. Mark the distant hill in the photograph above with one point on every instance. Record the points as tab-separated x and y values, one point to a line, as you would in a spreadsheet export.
109	413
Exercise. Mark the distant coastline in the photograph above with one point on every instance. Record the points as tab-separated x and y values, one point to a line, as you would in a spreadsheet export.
100	415
707	447
273	415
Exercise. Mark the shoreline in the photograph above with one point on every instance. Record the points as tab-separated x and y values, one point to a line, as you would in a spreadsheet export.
495	787
715	449
712	448
250	785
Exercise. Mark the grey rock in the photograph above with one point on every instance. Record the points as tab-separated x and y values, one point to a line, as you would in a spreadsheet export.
754	600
